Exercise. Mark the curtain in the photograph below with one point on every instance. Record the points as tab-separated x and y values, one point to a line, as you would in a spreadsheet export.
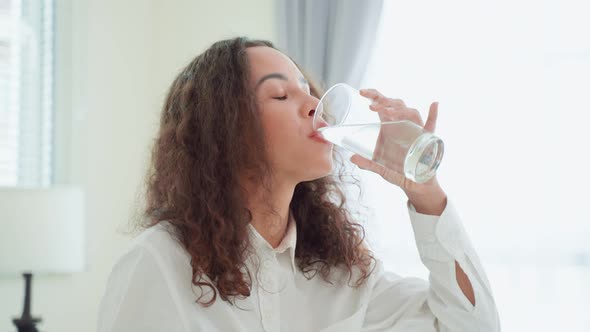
331	39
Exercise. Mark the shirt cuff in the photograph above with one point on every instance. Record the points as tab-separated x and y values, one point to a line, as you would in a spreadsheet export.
441	238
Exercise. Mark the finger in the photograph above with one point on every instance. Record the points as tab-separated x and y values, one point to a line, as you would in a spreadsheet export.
382	107
371	94
430	125
393	102
387	113
388	102
367	164
386	173
414	116
361	161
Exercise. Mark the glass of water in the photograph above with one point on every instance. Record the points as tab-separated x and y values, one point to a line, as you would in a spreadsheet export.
402	146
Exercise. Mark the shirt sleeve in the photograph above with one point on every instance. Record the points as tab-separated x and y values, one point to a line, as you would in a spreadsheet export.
137	297
411	304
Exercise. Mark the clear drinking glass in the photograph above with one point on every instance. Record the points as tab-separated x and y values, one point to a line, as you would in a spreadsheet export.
402	146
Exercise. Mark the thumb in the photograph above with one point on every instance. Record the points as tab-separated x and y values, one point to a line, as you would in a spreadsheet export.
386	173
430	125
364	163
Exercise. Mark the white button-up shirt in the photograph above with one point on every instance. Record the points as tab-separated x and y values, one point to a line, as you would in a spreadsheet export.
150	289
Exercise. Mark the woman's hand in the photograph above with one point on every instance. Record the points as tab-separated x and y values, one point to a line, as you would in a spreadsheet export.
427	197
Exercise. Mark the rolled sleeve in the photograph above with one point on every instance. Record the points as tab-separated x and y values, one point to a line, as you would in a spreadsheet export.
442	240
405	304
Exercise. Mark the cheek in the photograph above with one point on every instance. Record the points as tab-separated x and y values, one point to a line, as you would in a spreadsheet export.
280	124
290	151
281	133
283	139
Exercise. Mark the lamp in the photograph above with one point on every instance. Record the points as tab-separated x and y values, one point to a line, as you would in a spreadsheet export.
42	233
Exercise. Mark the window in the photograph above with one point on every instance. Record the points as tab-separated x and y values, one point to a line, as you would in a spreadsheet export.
26	92
512	79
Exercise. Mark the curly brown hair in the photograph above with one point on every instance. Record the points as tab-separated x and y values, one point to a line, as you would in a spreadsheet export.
210	133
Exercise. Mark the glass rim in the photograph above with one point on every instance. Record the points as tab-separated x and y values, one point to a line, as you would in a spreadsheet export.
316	114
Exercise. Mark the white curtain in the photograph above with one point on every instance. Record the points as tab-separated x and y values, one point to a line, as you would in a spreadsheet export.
330	39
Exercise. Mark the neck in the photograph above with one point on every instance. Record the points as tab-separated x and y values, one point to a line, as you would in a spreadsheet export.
271	225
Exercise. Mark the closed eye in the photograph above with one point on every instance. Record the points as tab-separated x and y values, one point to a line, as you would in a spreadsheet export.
280	98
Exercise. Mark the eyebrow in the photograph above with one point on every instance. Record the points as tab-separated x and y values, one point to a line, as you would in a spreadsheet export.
279	76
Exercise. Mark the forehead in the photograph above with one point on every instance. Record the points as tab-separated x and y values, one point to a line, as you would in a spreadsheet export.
265	60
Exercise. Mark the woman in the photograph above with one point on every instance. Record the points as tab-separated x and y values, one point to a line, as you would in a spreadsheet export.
243	213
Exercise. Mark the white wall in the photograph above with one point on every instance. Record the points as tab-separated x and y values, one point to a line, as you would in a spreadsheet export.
115	61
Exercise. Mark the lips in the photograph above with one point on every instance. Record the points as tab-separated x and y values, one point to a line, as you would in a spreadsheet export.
317	136
316	132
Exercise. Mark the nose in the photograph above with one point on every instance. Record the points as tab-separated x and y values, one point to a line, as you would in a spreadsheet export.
309	108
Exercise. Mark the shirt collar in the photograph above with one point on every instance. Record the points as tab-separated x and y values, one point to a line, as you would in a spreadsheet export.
288	242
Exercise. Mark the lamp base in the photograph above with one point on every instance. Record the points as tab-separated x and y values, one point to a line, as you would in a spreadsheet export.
26	323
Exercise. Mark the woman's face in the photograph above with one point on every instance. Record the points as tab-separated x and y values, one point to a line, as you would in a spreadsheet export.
287	110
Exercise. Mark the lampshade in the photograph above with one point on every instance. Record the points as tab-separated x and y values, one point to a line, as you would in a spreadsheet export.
41	230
